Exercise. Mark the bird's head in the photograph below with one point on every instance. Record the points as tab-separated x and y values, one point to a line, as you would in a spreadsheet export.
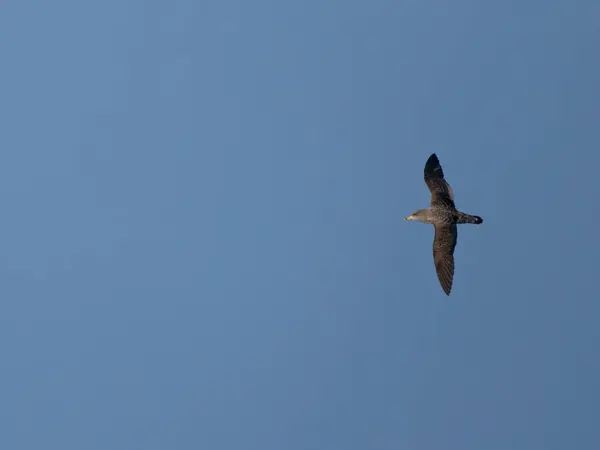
418	215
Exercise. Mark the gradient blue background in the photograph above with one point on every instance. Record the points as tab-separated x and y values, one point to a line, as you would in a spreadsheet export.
202	238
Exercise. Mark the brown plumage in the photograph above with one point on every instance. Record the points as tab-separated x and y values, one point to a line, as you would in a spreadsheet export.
444	216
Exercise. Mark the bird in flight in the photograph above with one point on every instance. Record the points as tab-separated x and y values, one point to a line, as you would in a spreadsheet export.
445	217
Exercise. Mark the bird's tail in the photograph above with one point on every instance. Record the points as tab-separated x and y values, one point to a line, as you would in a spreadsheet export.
467	218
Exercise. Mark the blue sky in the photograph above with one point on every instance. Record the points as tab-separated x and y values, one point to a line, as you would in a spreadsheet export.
203	245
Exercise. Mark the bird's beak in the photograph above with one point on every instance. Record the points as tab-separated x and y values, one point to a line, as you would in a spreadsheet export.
410	218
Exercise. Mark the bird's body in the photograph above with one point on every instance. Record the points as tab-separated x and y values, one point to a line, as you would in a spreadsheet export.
444	216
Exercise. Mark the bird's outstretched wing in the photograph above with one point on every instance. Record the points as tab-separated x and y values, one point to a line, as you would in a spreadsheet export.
434	179
444	243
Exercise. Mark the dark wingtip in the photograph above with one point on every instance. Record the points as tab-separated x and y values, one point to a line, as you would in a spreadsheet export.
478	220
433	169
432	162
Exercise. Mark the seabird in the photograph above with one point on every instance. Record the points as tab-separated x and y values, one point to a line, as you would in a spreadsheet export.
444	216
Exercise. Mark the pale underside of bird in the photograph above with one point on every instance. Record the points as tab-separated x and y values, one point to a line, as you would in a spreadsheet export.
444	216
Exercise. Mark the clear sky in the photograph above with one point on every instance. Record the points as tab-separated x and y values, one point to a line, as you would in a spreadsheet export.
202	235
